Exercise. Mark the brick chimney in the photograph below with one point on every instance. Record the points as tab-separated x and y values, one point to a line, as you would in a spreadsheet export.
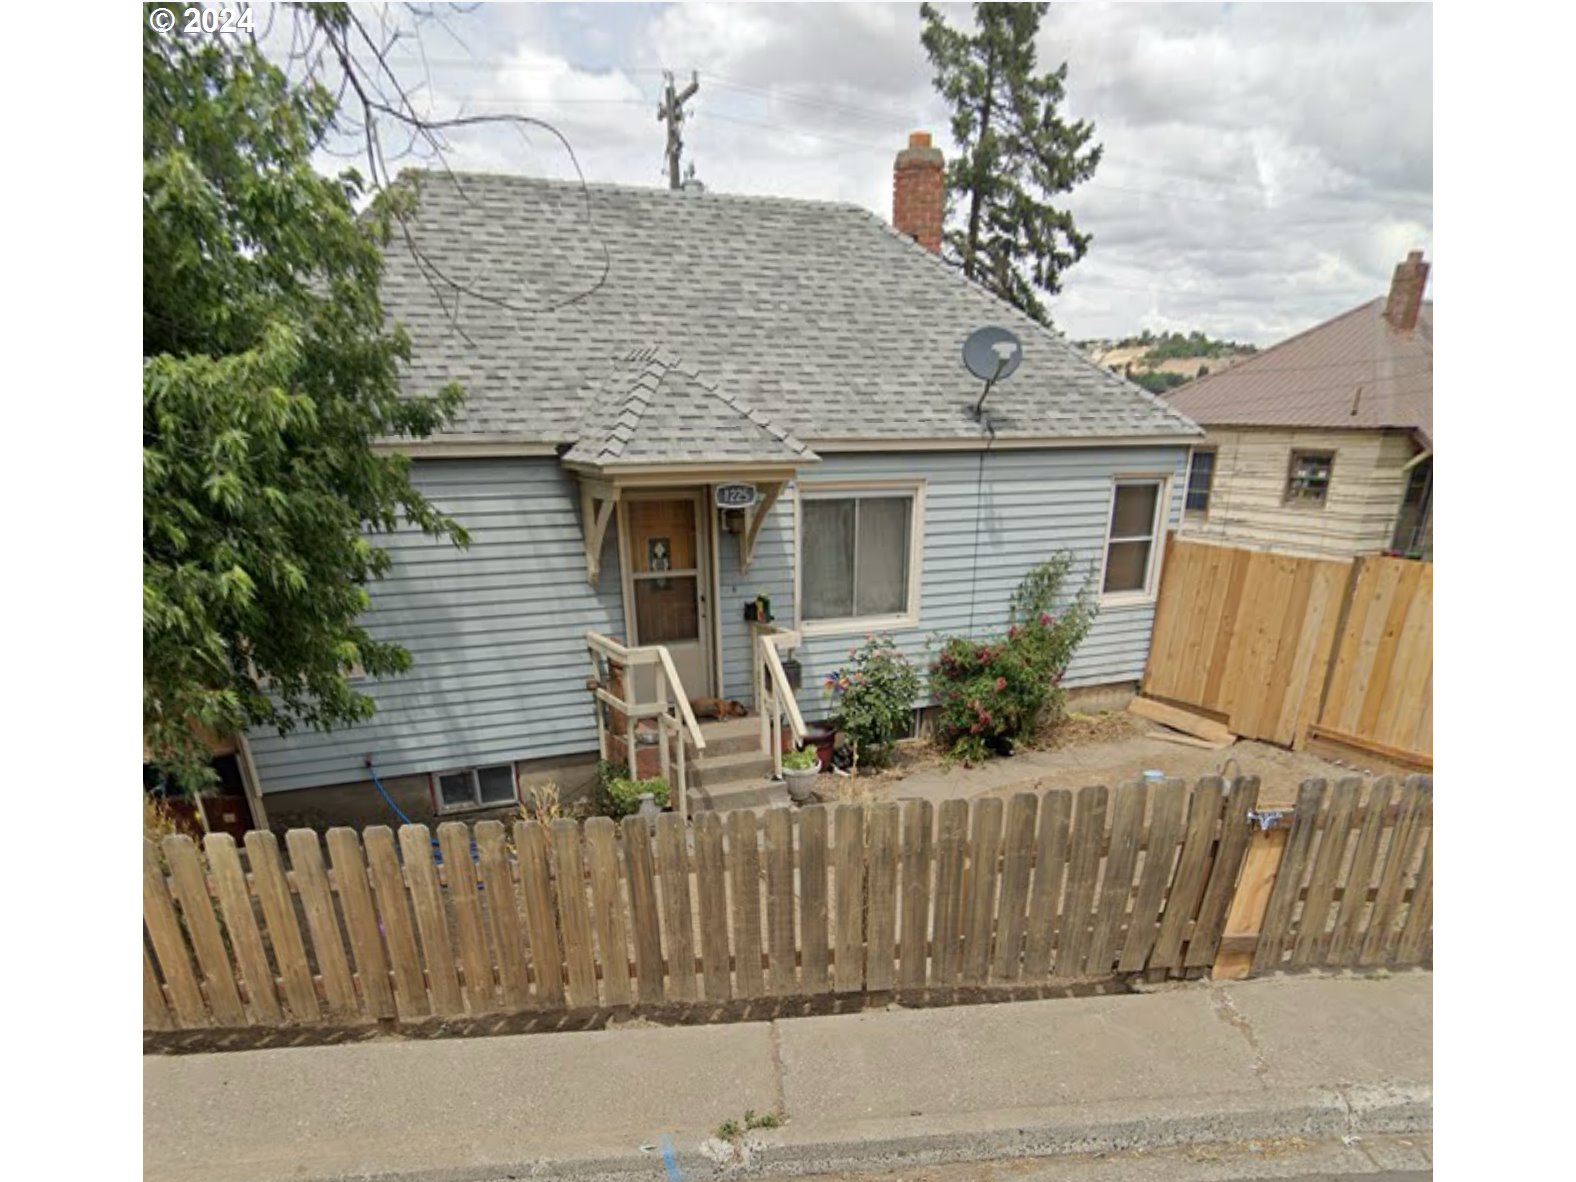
1406	292
917	192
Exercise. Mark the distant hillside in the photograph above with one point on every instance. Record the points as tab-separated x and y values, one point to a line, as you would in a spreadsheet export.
1164	361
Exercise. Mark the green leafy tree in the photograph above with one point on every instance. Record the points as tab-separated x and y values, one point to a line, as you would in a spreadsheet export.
269	372
1017	151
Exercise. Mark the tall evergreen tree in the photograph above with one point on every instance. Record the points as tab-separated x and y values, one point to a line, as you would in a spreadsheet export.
1016	152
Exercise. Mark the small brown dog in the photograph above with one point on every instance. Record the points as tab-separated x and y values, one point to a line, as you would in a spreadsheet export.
718	708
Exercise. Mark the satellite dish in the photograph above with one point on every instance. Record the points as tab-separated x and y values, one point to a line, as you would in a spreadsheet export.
991	354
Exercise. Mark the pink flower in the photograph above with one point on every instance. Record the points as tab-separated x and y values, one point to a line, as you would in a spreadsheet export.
1001	684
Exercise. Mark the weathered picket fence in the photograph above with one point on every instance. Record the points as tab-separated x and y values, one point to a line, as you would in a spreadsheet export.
1160	880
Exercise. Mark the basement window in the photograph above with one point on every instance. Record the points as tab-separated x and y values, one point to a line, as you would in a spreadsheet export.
474	788
1308	481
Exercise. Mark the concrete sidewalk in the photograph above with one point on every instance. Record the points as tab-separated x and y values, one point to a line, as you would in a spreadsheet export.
1310	1057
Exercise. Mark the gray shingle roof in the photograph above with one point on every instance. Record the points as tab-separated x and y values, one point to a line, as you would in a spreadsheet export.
820	313
651	407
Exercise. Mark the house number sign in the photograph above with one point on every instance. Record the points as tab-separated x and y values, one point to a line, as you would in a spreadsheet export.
736	496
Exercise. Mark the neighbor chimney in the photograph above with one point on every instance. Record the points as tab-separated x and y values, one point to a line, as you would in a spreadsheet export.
1406	292
917	192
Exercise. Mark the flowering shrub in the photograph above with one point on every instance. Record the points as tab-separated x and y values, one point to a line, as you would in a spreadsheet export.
991	693
875	696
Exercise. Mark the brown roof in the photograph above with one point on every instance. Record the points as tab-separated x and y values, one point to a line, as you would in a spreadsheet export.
1354	371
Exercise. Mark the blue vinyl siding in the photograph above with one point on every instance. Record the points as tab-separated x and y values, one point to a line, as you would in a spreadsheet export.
496	633
771	574
1031	504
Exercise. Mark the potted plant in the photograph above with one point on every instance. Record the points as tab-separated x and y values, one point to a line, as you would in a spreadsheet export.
800	769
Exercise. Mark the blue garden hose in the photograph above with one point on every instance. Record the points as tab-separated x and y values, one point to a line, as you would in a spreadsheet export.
437	851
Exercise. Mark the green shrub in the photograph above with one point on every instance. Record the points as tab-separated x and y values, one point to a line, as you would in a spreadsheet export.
875	696
800	761
619	796
992	693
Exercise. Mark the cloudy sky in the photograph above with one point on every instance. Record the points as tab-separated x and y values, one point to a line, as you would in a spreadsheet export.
1266	165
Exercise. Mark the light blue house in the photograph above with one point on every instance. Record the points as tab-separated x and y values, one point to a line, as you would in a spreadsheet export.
677	402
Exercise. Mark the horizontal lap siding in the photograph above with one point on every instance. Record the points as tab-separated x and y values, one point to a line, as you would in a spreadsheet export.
1032	504
770	574
496	633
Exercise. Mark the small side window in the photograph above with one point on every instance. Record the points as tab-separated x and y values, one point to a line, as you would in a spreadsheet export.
1308	481
1200	480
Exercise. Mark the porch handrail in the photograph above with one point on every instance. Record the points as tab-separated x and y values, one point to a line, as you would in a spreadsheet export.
777	696
781	689
690	724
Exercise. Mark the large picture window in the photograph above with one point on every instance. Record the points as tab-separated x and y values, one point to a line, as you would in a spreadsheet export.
1130	547
856	549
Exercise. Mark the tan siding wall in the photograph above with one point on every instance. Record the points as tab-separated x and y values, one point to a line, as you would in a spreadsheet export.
1247	504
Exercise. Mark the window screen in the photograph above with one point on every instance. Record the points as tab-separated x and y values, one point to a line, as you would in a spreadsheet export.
856	556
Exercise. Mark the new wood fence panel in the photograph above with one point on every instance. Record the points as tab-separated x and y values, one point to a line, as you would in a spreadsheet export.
1334	837
1276	926
1017	867
1116	887
946	949
388	886
235	905
574	913
1160	858
322	922
849	860
361	922
745	865
1216	900
918	828
432	923
202	928
1083	879
677	917
608	910
279	921
881	934
1344	941
711	885
541	919
169	945
645	918
814	946
780	898
1045	894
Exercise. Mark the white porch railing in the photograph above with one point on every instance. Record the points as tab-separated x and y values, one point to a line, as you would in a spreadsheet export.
671	709
776	695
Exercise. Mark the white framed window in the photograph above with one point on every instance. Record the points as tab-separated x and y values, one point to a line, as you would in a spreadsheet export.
859	551
466	788
1132	541
1308	478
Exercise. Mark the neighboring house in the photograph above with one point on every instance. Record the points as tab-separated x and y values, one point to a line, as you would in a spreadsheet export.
1323	444
627	352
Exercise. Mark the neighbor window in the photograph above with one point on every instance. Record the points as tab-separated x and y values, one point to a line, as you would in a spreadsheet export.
1130	550
856	548
1200	479
475	787
1308	482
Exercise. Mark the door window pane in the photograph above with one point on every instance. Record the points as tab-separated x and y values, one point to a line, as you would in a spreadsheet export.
828	559
881	578
667	610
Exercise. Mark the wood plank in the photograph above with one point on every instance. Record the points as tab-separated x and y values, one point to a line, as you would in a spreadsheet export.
1083	879
1045	894
399	932
1189	741
1403	674
849	865
607	910
813	919
711	889
1244	677
1116	885
1017	867
240	922
470	928
1344	944
1205	804
1240	800
155	1009
979	918
533	855
1215	686
918	826
644	914
574	912
279	921
1193	575
1168	803
946	950
1275	928
1334	836
1283	690
1417	930
1210	626
1317	651
1385	577
1259	677
1234	951
1183	720
322	923
1406	839
504	922
881	897
780	897
432	923
169	945
1359	599
361	923
744	863
1408	576
202	929
677	917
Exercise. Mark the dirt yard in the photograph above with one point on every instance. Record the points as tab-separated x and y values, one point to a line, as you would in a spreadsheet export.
1110	749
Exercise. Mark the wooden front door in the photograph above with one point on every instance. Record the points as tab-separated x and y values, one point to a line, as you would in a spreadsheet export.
670	582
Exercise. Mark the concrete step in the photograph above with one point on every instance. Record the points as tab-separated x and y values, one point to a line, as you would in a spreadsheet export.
710	770
755	794
728	736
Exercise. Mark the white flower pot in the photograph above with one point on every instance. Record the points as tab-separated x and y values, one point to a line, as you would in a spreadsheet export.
801	782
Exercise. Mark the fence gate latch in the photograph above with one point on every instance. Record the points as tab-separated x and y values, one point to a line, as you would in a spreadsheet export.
1266	819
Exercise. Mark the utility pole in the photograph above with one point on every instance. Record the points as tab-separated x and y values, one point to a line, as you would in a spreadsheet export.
671	111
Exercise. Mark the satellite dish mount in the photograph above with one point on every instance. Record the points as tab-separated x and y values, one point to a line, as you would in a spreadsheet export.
991	354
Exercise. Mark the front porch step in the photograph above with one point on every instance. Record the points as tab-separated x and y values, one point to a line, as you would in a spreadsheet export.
727	736
758	793
710	771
